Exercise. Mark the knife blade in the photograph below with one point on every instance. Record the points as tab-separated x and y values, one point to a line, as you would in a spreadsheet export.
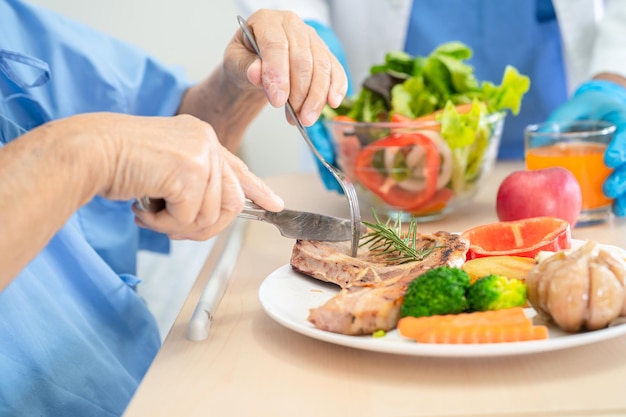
303	225
291	224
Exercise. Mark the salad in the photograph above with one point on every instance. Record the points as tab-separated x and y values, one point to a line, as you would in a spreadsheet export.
417	169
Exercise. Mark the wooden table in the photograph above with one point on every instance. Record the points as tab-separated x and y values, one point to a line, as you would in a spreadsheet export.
251	366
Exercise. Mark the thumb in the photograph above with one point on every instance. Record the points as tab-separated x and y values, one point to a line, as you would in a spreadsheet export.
254	73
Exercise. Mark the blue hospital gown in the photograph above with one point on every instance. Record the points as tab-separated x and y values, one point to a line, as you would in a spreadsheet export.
75	338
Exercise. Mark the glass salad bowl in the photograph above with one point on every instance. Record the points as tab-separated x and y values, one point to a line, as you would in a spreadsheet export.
412	168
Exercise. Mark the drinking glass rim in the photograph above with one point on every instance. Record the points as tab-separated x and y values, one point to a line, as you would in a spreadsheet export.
488	118
554	129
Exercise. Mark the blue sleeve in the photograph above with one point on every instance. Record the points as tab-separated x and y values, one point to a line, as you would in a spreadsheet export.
332	41
89	71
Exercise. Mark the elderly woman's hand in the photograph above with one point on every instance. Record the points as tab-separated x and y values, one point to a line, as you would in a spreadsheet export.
297	65
180	160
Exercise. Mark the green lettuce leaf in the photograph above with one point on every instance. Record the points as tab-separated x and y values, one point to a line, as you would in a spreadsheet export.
508	95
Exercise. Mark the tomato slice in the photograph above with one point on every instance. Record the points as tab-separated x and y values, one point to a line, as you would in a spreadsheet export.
344	118
402	169
400	118
524	237
430	117
422	123
438	202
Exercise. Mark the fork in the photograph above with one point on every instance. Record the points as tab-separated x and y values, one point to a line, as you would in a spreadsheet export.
344	181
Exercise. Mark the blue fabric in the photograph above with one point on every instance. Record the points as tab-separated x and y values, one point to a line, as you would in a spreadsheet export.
524	34
334	45
88	72
75	338
317	132
603	100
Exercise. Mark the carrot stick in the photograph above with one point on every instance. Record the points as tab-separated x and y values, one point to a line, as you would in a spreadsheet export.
413	326
500	333
495	326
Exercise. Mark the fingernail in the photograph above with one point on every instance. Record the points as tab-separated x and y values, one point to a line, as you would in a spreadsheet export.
280	96
279	200
311	117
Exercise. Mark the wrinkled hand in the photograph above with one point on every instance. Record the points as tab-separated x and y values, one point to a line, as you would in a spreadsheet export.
603	100
180	160
297	65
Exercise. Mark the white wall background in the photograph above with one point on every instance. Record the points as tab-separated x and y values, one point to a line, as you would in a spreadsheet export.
193	34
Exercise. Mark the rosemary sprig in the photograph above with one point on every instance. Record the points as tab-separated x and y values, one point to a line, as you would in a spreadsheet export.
388	239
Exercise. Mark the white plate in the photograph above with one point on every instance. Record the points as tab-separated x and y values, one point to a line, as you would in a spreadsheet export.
286	296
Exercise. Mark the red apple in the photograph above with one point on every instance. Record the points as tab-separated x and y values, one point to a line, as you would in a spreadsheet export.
553	192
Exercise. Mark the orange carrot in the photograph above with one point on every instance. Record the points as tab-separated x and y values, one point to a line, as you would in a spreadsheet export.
430	120
495	326
413	326
481	333
344	118
460	108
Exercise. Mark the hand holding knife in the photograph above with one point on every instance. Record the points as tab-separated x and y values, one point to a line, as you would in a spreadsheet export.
292	224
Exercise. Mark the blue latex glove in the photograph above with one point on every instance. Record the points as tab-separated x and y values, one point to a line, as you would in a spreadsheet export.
317	132
603	100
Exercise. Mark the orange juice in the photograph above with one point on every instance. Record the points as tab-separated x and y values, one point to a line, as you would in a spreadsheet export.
583	159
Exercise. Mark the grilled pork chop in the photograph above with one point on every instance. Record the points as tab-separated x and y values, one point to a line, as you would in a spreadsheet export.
372	285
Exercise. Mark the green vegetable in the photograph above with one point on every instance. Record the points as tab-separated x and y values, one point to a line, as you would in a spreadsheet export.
508	95
390	239
422	84
495	292
417	86
397	63
379	333
468	138
439	290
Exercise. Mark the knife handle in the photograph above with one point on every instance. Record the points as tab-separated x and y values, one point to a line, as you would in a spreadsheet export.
253	211
250	210
151	205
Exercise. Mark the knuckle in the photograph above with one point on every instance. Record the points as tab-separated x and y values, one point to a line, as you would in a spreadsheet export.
290	17
323	65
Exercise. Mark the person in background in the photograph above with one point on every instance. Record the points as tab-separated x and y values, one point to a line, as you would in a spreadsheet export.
88	124
573	51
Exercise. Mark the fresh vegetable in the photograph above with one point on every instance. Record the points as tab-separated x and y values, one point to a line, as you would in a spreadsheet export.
506	265
393	241
402	169
442	91
411	328
496	326
415	86
524	237
441	290
496	292
436	204
581	289
379	333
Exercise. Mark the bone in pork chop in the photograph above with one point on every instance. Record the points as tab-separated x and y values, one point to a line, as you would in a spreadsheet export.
372	285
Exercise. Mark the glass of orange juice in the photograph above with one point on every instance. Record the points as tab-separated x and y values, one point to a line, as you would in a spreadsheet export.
578	146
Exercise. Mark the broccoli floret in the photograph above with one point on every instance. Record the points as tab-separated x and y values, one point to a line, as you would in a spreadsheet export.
495	292
440	290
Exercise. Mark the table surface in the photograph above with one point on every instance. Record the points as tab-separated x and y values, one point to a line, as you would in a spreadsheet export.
252	366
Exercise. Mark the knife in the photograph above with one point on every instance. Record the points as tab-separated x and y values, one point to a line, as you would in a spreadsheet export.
292	224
